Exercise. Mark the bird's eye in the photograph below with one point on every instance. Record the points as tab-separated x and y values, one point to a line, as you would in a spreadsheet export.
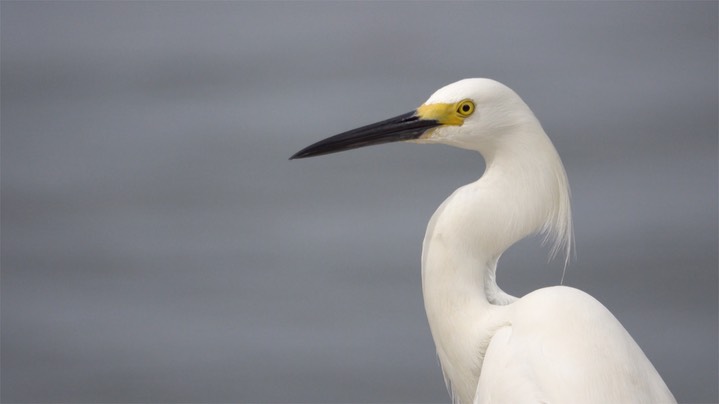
465	108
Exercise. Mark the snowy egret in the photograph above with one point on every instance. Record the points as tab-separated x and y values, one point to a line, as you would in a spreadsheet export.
554	345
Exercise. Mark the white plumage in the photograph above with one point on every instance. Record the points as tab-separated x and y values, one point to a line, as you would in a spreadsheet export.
554	345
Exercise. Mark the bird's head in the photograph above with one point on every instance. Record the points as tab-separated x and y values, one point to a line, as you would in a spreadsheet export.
488	117
471	114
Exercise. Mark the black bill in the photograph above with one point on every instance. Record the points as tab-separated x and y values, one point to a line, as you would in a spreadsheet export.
403	127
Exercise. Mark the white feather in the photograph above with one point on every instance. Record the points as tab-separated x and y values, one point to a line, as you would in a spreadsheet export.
554	345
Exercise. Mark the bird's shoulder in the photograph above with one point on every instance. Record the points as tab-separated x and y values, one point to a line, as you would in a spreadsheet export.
557	306
560	345
568	325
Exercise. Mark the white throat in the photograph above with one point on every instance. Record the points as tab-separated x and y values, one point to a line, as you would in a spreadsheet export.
523	190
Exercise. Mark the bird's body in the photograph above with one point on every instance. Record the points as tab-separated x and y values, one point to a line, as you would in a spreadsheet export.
554	345
560	345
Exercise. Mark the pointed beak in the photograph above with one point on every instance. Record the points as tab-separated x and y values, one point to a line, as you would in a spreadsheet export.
407	126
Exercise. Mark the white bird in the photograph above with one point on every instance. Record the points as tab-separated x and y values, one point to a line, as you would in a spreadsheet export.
554	345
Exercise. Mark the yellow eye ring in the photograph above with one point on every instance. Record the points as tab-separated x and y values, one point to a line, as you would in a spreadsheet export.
465	108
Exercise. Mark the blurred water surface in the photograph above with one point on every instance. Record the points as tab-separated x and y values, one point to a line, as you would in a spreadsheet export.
158	246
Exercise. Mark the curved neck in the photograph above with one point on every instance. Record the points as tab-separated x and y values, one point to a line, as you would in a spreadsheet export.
523	191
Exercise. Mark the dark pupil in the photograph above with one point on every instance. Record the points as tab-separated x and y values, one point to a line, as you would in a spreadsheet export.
465	108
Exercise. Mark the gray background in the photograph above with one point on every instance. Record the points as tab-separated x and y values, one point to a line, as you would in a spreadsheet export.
158	246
